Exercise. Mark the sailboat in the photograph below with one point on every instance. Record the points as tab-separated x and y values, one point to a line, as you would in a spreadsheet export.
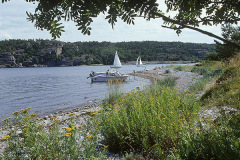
116	63
139	62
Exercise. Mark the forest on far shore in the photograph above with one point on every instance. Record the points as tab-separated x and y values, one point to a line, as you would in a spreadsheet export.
16	53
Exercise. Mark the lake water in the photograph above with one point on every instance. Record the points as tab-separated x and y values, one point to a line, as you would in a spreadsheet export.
47	90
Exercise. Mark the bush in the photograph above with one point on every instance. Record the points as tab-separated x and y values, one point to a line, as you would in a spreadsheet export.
179	68
167	71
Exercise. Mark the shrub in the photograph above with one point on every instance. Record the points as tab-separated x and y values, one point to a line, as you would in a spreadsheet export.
167	71
179	68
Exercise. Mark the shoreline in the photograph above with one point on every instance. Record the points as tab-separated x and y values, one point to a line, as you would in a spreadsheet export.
127	63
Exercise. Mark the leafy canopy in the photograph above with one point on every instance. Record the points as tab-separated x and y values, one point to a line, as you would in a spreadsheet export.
186	14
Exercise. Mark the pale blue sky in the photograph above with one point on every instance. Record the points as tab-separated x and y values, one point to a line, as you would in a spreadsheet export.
13	25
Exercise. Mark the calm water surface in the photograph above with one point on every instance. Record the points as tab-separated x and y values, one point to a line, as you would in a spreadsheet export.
47	90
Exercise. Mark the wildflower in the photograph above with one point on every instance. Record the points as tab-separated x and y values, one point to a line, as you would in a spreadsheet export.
89	137
91	113
115	110
171	112
25	111
6	137
68	129
105	146
72	125
6	119
67	134
32	115
71	114
24	126
16	113
71	117
198	129
163	118
97	123
194	114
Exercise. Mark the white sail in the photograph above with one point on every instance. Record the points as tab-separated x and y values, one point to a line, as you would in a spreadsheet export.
116	63
139	62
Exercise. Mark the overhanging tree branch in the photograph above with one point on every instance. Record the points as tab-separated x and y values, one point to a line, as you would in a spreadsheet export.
182	25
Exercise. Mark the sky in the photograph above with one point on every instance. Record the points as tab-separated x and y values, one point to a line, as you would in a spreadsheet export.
13	25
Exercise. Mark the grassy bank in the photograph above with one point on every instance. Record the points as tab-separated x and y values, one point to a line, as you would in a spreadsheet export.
157	123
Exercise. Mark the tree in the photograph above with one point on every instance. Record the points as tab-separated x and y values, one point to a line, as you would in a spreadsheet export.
231	34
189	13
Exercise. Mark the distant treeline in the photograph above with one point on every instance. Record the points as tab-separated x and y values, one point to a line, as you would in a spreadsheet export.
54	53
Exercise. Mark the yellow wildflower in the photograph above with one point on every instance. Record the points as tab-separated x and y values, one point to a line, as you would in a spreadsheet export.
97	123
68	129
71	114
194	114
72	125
163	118
71	117
16	113
24	126
6	119
25	111
105	146
6	137
89	137
67	134
198	129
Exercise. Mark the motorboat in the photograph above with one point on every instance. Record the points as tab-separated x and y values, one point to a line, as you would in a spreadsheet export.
107	76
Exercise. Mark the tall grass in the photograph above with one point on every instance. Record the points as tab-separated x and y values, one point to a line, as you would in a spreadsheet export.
199	84
226	90
218	139
147	122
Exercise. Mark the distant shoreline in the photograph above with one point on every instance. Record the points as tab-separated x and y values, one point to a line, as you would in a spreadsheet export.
127	63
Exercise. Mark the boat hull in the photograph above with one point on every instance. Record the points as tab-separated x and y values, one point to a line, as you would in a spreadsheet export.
109	78
116	66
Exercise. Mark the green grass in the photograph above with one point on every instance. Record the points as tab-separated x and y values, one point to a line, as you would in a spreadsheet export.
147	122
199	84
